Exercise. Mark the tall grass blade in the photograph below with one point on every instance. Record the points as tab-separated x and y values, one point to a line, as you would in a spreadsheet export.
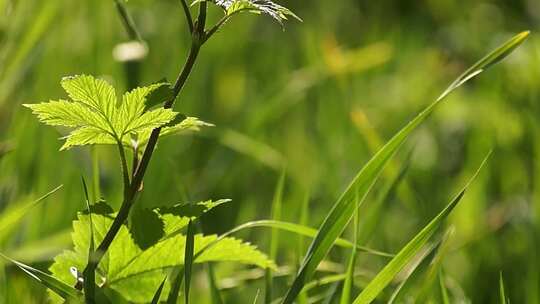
216	295
157	295
89	277
444	291
502	294
407	253
295	228
62	289
343	209
274	237
172	298
13	215
188	264
304	211
346	292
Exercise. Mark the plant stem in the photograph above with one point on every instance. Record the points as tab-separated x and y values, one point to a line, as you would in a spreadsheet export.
189	19
125	172
131	29
134	186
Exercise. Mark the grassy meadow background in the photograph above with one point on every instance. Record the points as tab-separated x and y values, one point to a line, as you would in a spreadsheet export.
315	101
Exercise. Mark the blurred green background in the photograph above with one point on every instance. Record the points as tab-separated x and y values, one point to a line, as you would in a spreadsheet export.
315	100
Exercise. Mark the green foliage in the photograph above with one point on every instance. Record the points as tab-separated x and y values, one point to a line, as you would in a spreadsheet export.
136	273
98	118
267	7
343	209
11	216
70	294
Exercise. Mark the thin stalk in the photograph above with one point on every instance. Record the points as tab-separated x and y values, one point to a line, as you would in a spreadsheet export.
189	19
135	162
134	186
125	172
131	29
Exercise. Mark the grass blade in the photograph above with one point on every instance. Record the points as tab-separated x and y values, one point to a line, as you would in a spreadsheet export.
13	215
188	264
407	253
444	291
346	292
89	276
157	295
62	289
343	209
175	288
501	289
274	237
295	228
216	295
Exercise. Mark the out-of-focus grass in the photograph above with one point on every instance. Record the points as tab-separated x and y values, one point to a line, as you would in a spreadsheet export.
316	99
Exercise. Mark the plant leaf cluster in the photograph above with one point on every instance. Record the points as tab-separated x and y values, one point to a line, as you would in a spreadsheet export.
97	117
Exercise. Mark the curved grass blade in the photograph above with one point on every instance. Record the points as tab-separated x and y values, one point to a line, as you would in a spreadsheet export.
157	295
346	291
501	289
62	289
188	264
175	289
343	209
435	267
407	253
444	291
410	268
274	237
295	228
13	215
216	295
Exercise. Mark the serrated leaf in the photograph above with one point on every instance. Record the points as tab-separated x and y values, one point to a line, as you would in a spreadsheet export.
267	7
136	273
177	217
96	115
187	124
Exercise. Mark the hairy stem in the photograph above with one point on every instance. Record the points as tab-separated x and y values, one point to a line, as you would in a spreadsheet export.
131	192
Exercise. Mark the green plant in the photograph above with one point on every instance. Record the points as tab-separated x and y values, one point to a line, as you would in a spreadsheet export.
107	259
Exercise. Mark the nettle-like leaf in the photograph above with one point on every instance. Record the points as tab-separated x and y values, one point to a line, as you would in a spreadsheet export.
267	7
99	118
136	273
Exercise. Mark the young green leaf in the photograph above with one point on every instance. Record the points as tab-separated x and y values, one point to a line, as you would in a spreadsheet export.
136	274
95	115
60	288
267	7
407	253
343	209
